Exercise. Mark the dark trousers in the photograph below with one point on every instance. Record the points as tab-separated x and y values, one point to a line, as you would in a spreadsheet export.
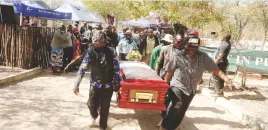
67	56
84	47
218	82
176	110
100	98
122	57
167	102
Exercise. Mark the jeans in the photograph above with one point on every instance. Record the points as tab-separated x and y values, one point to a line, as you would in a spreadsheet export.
100	98
218	82
176	110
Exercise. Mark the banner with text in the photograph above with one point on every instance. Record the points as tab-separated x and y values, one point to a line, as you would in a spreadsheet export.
255	61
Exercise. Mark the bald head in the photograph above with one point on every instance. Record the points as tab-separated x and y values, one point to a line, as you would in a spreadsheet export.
150	33
178	43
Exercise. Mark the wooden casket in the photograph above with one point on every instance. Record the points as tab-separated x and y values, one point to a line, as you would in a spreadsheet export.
141	87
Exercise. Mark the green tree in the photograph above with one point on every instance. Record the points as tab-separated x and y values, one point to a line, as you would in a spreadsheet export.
234	17
190	13
261	14
113	7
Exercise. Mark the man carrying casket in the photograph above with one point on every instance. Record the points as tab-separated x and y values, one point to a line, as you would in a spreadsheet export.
184	73
105	77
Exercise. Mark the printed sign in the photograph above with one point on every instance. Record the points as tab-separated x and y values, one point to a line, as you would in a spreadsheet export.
255	61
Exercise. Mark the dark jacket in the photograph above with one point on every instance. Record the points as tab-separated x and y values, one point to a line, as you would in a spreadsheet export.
143	45
112	40
102	71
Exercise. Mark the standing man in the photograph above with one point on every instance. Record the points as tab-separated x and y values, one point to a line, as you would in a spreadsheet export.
166	54
57	45
105	70
184	73
167	40
126	45
68	50
122	35
83	29
111	36
222	62
87	39
147	45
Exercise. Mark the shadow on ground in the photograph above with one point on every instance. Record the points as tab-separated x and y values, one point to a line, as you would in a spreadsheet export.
212	109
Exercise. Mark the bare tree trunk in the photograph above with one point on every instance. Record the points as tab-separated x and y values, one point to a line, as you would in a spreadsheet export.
265	36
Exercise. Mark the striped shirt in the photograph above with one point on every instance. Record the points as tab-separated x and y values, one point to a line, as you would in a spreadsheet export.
188	73
85	65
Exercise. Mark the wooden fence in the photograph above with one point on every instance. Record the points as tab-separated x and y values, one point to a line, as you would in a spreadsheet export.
25	47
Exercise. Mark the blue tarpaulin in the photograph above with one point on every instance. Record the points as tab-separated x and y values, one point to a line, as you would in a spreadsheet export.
36	9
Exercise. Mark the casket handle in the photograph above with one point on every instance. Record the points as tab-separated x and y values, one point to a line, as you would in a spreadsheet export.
144	96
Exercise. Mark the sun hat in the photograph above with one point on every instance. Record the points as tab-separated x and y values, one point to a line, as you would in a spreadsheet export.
168	38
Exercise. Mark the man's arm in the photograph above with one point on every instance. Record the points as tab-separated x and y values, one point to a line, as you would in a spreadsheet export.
212	67
172	66
221	75
168	77
160	62
222	50
83	67
219	58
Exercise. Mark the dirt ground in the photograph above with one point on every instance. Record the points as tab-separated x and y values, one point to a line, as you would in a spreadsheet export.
254	100
47	102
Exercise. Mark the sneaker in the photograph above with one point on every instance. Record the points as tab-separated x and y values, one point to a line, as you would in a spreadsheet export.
159	124
91	122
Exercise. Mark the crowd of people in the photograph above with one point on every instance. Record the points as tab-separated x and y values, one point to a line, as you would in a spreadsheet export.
70	43
175	58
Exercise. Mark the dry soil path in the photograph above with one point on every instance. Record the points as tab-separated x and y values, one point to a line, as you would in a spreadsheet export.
48	103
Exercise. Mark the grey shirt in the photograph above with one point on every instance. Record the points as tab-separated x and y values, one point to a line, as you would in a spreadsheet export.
224	48
188	73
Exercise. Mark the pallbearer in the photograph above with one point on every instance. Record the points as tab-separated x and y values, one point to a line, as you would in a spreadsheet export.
184	73
105	78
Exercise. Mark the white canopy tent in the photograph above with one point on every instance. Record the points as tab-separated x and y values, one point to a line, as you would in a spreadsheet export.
79	14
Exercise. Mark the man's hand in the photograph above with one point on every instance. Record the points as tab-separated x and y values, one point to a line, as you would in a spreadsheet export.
76	90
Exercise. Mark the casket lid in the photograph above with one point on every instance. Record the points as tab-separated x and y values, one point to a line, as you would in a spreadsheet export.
138	70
